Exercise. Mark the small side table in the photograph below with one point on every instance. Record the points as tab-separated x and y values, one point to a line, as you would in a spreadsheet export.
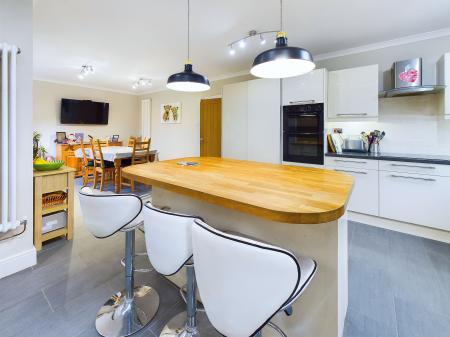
48	182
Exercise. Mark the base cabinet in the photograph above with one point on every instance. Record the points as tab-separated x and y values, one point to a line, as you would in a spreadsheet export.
415	198
364	198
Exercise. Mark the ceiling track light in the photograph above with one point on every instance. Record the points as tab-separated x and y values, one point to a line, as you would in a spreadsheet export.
188	80
282	61
142	83
86	70
242	42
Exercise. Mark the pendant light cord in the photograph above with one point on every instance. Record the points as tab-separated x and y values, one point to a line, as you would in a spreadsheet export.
188	32
281	15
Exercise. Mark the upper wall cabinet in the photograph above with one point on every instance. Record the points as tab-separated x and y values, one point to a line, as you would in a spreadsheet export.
353	93
443	78
305	88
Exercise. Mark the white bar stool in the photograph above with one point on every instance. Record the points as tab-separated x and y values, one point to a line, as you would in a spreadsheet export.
131	309
169	247
243	283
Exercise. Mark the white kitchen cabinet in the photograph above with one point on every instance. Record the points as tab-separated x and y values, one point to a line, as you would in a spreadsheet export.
234	121
263	123
415	198
353	93
443	78
420	168
364	197
358	163
307	88
251	120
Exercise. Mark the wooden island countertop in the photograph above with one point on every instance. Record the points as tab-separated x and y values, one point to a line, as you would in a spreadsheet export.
282	193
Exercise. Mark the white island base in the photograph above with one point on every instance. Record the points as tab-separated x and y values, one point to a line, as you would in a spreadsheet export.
321	310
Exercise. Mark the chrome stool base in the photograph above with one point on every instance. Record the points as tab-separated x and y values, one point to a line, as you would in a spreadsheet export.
177	327
121	316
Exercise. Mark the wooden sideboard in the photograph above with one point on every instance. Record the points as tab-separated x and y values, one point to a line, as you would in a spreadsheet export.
66	152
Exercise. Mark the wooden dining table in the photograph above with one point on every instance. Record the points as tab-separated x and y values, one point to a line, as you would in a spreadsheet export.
115	154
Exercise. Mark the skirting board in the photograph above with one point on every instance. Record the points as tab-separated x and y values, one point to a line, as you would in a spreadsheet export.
403	227
18	262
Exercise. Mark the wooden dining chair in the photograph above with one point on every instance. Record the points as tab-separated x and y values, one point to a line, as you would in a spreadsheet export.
131	141
102	168
87	166
140	155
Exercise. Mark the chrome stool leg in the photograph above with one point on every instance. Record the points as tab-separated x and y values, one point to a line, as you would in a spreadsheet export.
131	309
192	322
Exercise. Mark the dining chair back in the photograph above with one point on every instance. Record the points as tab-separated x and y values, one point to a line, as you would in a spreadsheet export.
87	166
101	167
141	152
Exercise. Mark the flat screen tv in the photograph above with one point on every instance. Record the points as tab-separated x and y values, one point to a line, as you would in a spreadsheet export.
75	111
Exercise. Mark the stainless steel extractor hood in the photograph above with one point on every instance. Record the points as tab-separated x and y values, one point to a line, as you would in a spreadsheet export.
407	80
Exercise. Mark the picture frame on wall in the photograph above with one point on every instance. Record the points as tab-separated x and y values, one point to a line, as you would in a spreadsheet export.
114	138
171	113
61	137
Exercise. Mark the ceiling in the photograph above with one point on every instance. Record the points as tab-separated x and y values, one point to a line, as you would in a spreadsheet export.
125	40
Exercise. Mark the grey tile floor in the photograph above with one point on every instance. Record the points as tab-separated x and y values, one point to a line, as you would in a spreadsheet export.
399	285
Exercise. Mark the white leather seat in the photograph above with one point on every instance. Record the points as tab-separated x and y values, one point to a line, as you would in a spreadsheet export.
106	213
243	283
131	309
168	237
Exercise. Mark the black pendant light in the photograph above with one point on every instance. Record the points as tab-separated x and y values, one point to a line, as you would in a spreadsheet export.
188	80
282	61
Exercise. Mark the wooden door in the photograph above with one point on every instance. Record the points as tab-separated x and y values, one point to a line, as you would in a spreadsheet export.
210	127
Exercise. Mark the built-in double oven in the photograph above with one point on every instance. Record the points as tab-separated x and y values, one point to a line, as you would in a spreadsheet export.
303	133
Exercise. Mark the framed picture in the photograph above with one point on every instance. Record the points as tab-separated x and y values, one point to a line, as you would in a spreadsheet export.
79	137
115	138
61	137
171	113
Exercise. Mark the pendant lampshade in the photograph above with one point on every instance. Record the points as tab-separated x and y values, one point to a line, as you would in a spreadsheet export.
188	80
282	61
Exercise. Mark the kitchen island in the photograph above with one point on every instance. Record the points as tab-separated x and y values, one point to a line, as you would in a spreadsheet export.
297	208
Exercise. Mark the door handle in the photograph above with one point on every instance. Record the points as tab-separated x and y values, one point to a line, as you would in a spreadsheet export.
413	178
350	171
414	166
350	161
361	114
310	101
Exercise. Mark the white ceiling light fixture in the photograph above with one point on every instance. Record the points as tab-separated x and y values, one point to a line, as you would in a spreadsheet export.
242	42
86	70
188	80
282	61
142	83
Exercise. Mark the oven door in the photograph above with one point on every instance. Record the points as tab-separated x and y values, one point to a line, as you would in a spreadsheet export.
303	148
295	121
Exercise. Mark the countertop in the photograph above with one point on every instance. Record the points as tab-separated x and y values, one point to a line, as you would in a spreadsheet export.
290	194
412	158
61	170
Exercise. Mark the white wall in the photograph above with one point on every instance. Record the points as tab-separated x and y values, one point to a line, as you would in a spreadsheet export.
412	124
181	140
16	19
124	112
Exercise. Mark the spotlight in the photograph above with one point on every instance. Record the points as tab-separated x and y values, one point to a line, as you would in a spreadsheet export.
242	43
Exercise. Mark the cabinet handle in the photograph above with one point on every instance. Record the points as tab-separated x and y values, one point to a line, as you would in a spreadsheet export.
350	171
311	101
415	166
361	114
351	161
413	178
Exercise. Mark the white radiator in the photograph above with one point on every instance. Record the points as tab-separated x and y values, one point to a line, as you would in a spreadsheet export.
9	219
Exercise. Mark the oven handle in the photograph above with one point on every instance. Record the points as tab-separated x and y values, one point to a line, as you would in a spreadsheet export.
302	133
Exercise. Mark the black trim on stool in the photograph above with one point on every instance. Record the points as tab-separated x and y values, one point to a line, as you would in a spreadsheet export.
292	256
113	195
